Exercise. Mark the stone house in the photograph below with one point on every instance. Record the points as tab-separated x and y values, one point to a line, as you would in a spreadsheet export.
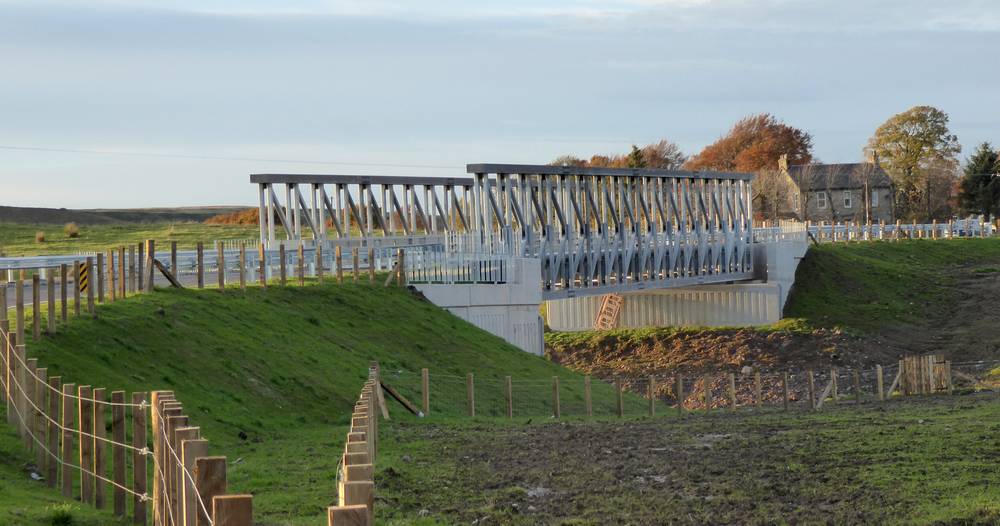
857	192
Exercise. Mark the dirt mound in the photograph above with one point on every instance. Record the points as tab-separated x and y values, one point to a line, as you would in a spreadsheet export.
640	353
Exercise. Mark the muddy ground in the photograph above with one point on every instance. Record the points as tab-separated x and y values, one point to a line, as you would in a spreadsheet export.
966	329
919	461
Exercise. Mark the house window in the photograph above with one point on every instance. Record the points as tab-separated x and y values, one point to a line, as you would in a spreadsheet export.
848	199
875	199
795	201
821	200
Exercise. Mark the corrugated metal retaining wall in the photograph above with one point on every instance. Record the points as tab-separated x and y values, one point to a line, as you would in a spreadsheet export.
710	306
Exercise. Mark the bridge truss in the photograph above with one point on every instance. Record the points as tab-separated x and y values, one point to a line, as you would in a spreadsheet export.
594	230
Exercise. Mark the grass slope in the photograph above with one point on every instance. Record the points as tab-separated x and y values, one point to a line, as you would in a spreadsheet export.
19	239
864	286
284	366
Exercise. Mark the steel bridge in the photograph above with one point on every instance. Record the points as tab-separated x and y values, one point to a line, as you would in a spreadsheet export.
593	230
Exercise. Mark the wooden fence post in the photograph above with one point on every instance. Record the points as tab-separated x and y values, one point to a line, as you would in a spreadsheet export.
100	277
282	274
19	308
140	262
833	378
651	393
68	423
879	383
27	383
210	480
400	267
425	390
371	265
200	261
348	516
138	457
40	405
131	269
587	400
220	263
319	262
191	449
53	434
122	277
509	395
470	391
620	405
556	409
173	260
243	265
301	266
784	389
679	394
355	261
90	286
100	422
63	292
338	257
118	451
85	422
232	510
112	289
36	306
262	264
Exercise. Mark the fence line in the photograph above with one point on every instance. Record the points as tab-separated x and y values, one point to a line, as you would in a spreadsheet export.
355	473
61	426
832	232
621	395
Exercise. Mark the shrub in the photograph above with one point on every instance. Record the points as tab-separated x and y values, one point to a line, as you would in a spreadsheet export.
39	237
71	230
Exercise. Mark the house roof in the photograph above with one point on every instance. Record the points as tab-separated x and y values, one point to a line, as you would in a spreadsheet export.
838	176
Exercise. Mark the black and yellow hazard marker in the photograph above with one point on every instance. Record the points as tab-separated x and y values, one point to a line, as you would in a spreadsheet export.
84	277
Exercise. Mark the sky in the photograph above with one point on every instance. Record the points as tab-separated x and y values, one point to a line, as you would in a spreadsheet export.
133	104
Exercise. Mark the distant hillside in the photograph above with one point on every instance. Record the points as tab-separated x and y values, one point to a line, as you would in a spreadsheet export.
59	216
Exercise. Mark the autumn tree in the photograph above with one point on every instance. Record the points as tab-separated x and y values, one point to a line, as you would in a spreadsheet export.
661	154
980	186
920	155
754	143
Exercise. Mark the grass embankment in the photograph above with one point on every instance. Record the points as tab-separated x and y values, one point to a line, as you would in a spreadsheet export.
865	286
855	288
918	461
283	366
19	239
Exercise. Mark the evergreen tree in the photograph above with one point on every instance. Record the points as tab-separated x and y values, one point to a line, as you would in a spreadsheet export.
980	192
635	158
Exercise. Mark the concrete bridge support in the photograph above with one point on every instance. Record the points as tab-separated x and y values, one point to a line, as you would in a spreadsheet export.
509	310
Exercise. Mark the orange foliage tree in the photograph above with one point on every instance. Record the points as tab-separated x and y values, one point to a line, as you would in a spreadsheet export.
754	143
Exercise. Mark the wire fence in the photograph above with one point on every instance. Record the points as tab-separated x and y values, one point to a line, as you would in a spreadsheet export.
66	426
568	395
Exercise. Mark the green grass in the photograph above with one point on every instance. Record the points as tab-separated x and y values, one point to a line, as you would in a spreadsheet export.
863	286
19	239
25	501
284	367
